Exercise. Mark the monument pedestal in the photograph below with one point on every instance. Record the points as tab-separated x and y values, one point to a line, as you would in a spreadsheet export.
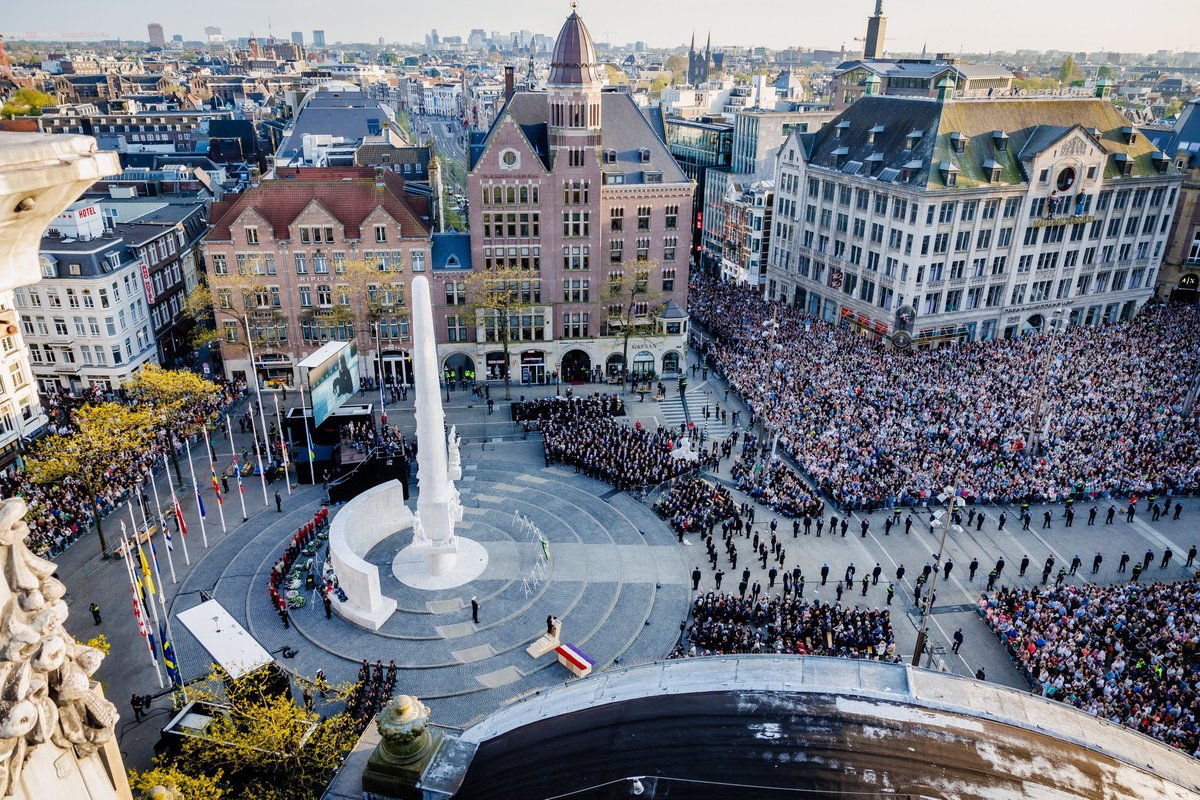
407	747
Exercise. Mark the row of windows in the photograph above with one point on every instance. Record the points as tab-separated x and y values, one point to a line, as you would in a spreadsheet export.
506	195
264	263
326	233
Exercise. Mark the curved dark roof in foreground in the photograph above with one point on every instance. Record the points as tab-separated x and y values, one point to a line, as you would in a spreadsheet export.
772	726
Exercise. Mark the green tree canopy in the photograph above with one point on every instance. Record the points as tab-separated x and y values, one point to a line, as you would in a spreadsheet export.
26	103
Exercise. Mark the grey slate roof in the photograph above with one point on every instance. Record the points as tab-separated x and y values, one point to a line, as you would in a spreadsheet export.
350	115
452	251
623	129
1185	135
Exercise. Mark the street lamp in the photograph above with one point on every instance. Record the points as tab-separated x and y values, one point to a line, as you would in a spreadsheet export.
1035	421
945	519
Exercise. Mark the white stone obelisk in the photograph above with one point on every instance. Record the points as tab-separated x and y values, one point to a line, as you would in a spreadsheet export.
433	530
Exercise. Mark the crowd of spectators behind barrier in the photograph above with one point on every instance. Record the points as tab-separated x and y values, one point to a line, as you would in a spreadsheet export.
1127	652
724	623
692	504
59	513
874	427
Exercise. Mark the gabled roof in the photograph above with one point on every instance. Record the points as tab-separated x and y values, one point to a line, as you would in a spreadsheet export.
1031	125
349	195
451	251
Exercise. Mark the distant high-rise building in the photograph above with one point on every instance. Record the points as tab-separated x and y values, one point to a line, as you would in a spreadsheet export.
156	35
212	31
298	38
318	38
381	41
178	37
434	39
876	26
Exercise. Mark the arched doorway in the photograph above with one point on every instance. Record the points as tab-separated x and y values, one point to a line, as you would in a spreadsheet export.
670	362
643	364
459	367
1035	324
576	366
613	366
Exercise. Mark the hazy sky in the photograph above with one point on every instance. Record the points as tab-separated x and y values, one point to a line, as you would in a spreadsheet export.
944	25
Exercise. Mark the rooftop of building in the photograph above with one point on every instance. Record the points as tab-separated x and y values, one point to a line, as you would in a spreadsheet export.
913	135
350	195
451	251
574	61
624	130
349	115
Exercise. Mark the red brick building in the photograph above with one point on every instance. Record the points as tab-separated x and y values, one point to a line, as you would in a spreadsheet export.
278	258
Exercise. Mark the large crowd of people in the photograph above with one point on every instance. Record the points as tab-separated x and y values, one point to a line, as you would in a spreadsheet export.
627	456
556	407
873	427
723	624
1127	652
60	513
693	504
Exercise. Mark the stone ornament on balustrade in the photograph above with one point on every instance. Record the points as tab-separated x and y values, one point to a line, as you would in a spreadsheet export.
45	675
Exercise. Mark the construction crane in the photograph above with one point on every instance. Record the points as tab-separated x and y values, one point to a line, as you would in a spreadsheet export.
5	68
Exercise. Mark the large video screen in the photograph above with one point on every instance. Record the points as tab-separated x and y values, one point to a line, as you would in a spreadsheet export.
333	381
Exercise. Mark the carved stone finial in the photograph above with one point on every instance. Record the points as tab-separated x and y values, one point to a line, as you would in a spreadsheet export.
403	724
44	672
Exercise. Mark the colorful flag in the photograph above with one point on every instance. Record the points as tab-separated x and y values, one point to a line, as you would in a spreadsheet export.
216	486
147	581
200	503
154	556
166	535
237	470
153	647
179	518
168	652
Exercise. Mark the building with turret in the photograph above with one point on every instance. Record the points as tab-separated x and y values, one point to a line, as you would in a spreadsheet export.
575	187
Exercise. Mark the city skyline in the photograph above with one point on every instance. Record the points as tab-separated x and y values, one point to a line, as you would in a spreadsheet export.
1060	27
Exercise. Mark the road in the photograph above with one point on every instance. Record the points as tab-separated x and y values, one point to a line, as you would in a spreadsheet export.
450	140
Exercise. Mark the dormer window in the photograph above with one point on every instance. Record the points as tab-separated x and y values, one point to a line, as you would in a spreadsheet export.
949	173
873	132
838	157
912	139
910	170
1161	161
874	163
610	156
958	142
645	155
1124	164
1129	134
992	169
841	128
1000	139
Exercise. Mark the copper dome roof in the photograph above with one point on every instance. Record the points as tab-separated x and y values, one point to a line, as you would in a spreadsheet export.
574	62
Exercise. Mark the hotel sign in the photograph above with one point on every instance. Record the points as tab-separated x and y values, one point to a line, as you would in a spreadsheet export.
1056	221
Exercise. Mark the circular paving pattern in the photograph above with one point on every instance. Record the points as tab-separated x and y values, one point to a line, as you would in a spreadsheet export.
410	566
610	570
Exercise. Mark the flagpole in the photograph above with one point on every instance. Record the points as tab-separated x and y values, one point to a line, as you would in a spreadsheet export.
162	523
199	503
283	453
237	469
258	457
137	606
187	559
382	399
213	468
312	468
145	569
258	391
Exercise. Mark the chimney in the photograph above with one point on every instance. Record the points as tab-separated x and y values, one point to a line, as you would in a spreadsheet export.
254	177
509	81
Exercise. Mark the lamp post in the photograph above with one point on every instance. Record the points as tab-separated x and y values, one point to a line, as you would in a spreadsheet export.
1035	421
949	498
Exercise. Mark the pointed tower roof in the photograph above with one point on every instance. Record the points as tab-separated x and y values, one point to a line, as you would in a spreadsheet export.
574	62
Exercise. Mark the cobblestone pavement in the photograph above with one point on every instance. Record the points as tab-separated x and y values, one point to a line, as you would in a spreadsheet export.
617	577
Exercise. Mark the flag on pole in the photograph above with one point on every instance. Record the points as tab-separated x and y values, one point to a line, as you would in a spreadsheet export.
166	535
179	518
154	553
153	647
237	470
168	652
146	581
200	503
216	486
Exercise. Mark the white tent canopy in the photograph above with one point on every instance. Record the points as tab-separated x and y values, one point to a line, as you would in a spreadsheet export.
225	639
